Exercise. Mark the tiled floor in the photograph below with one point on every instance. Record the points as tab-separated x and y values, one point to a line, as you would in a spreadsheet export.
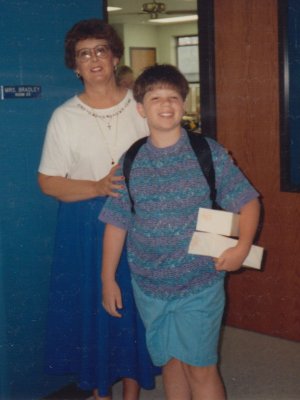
253	367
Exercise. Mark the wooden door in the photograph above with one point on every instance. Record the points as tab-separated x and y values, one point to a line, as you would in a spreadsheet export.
247	87
141	57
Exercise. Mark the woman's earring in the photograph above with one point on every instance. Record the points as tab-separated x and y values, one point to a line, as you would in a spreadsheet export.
78	76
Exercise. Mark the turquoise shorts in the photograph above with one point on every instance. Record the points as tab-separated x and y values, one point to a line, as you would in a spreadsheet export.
187	328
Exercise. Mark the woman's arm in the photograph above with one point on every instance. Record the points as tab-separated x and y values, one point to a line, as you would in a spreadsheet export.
232	258
69	190
113	242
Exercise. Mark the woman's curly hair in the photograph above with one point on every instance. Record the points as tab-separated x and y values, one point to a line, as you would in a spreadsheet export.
91	29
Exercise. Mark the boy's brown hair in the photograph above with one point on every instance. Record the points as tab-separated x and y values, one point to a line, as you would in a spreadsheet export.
160	75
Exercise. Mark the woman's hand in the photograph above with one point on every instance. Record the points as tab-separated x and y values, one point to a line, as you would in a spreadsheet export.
110	184
112	298
69	190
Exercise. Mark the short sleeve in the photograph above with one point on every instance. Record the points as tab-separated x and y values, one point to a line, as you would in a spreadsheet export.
56	154
233	188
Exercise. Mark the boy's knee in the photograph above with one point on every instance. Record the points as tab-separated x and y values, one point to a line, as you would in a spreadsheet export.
201	373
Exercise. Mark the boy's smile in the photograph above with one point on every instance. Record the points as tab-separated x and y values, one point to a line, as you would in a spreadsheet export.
163	107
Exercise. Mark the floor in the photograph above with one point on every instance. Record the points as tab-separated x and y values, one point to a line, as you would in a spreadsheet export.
253	367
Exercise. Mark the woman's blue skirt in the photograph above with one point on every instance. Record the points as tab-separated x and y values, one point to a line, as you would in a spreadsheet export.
82	339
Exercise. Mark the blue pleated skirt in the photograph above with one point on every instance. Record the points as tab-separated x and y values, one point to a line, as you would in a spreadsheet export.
82	339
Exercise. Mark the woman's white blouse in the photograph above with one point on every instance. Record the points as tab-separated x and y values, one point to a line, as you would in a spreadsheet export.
81	141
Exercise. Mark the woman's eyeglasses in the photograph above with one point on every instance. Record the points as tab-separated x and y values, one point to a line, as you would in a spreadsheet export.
85	55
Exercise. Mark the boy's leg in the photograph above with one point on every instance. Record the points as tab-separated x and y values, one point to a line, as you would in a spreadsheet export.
205	382
175	381
131	389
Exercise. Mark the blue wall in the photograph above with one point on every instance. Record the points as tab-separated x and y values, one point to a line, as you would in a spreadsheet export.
32	33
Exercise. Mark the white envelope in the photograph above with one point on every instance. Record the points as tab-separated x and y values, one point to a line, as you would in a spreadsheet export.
213	245
218	221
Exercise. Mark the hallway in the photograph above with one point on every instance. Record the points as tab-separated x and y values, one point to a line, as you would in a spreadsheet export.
253	367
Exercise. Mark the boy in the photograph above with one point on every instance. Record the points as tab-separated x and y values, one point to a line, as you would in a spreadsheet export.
180	296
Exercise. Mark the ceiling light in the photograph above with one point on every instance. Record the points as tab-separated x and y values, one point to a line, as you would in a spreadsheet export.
111	9
171	20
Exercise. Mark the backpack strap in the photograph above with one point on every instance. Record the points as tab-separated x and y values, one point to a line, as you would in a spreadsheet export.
203	153
127	164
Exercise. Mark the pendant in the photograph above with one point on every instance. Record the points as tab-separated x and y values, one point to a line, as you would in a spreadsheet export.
112	162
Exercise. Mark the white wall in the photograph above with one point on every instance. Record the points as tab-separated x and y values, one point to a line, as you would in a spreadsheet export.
135	36
163	39
160	37
167	45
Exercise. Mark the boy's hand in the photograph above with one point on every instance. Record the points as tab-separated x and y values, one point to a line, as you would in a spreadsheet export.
112	298
231	259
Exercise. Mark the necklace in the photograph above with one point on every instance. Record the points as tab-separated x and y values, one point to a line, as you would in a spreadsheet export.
110	147
108	119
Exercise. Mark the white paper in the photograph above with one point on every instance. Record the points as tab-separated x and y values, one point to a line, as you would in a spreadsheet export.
213	245
218	221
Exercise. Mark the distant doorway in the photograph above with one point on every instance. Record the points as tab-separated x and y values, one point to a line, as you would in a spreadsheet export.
141	57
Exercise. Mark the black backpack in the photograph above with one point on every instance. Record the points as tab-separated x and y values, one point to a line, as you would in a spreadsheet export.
202	150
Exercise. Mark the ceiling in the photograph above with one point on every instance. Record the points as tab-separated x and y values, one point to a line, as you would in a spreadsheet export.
131	10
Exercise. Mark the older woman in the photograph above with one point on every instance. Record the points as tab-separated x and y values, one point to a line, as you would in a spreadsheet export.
84	140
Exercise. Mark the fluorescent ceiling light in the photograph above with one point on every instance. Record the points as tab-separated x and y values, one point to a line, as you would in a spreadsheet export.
171	20
111	9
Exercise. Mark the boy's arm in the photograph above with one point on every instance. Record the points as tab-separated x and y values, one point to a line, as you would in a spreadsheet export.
232	258
113	242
